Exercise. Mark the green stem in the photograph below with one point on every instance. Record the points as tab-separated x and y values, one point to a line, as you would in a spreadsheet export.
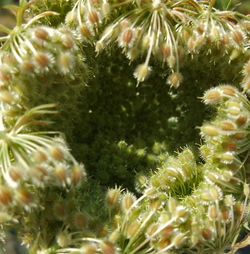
5	29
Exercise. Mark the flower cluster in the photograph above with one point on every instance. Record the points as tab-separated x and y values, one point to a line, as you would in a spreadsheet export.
195	201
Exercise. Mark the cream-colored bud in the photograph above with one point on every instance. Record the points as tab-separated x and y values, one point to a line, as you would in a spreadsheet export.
178	240
57	153
112	197
210	130
77	174
63	239
142	72
172	204
60	173
127	201
6	97
132	229
88	249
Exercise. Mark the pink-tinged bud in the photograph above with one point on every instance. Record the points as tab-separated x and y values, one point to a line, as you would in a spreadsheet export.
207	234
165	50
163	243
225	39
41	34
225	214
15	174
40	156
200	29
239	209
167	231
5	77
42	60
5	196
28	66
241	120
93	17
237	36
227	126
68	42
42	170
230	146
107	248
84	30
127	36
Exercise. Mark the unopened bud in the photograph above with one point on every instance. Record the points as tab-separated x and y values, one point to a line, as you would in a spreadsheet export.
93	17
80	220
41	33
24	196
172	203
174	79
84	30
142	72
6	97
132	229
212	96
40	156
5	196
88	249
107	248
212	212
60	173
57	153
210	130
76	174
42	60
112	197
178	240
62	239
207	234
237	36
15	174
127	201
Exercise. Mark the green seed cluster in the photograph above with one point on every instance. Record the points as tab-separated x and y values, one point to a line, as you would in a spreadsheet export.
88	63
